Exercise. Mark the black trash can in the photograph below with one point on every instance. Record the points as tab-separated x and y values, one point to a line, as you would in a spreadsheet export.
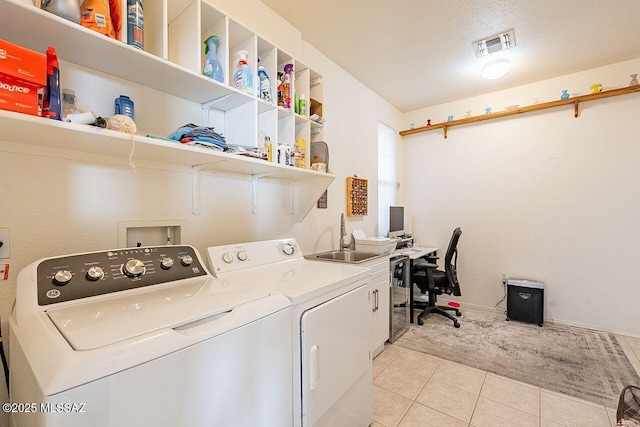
525	301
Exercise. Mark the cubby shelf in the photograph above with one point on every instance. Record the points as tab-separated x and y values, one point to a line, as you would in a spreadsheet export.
536	107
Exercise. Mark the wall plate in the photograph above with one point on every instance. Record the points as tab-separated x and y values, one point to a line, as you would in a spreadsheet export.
5	249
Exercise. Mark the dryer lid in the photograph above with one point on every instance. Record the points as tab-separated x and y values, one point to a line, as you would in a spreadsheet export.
117	317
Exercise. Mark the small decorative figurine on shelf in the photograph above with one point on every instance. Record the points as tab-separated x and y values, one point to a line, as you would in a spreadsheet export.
428	122
634	80
565	94
412	126
450	118
487	110
596	88
467	114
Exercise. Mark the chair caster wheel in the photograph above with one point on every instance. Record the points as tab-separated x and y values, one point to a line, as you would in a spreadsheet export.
507	319
456	324
540	325
420	322
458	314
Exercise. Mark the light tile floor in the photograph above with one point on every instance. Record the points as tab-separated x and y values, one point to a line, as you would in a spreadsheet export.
416	389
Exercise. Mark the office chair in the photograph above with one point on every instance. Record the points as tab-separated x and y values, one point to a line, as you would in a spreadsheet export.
437	282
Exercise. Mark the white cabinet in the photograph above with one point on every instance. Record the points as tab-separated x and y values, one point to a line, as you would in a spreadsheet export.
172	62
379	287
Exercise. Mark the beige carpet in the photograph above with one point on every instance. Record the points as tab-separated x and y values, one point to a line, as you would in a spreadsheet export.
580	362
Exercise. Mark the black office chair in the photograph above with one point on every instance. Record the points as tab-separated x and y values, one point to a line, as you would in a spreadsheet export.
437	282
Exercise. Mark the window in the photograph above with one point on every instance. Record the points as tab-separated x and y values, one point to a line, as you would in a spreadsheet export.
386	175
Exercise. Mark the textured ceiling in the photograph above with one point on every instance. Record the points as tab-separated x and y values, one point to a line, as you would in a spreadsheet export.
418	53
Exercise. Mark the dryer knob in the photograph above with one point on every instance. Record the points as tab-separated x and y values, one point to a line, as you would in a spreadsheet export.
95	273
133	268
62	277
227	257
166	263
186	260
288	249
242	255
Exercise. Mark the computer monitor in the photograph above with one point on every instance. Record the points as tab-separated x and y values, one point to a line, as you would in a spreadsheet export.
396	221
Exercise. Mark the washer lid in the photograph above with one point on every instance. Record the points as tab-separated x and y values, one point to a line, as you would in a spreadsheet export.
117	317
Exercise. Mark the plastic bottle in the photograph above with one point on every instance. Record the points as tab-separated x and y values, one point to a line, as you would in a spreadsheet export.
302	105
287	90
265	85
67	9
243	76
212	66
124	105
299	153
280	90
68	102
53	101
135	24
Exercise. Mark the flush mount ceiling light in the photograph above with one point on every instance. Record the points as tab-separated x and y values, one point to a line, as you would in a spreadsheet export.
495	69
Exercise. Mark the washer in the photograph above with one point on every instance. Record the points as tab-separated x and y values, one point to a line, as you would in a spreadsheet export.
331	321
146	337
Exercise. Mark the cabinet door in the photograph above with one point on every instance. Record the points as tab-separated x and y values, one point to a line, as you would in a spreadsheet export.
380	307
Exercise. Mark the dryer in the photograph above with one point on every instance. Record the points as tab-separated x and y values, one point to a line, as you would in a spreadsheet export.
146	337
331	321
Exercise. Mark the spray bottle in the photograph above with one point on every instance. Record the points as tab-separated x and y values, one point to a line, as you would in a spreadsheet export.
212	67
265	85
53	101
243	76
287	88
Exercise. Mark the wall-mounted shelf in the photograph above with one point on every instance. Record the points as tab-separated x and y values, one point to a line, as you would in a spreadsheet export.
307	185
536	107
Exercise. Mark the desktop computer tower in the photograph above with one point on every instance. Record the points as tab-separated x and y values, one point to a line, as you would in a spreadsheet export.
525	301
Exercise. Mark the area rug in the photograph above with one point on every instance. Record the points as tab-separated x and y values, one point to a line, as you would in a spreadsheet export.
584	363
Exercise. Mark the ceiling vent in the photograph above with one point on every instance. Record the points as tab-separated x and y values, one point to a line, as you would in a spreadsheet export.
495	43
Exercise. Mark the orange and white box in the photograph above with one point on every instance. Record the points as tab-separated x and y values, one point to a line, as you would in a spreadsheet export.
23	75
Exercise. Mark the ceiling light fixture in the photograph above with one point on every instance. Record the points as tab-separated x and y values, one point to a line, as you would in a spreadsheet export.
495	69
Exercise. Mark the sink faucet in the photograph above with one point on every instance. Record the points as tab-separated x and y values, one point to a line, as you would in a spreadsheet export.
343	234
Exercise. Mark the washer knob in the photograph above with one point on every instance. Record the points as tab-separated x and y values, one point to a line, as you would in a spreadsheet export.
227	257
62	277
166	263
133	268
95	273
288	249
186	260
242	255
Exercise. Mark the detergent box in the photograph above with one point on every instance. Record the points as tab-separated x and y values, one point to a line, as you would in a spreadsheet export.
23	76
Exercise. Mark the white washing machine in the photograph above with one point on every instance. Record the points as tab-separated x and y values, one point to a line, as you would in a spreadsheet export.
146	337
332	379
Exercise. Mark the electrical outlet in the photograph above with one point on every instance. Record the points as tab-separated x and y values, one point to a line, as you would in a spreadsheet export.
5	248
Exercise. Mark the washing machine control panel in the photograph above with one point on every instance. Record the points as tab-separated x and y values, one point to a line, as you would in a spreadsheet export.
80	276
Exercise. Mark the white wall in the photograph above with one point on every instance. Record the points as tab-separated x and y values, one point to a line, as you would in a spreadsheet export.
542	196
56	202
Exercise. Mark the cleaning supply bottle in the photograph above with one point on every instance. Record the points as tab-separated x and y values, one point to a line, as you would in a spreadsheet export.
243	76
53	101
212	67
265	85
124	105
280	86
67	9
299	153
287	91
302	105
135	24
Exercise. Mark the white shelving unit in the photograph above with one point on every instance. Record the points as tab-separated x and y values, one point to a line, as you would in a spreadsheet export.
175	31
